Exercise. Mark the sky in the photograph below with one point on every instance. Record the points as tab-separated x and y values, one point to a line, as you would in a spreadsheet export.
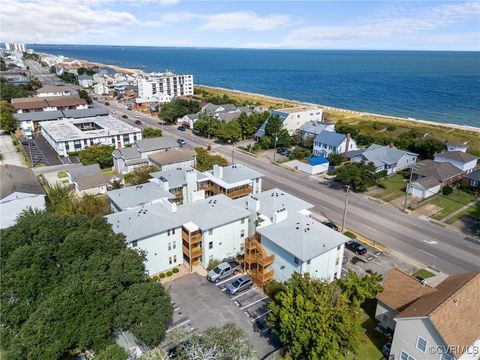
367	25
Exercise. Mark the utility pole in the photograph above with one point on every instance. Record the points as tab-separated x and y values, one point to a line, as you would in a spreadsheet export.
345	209
233	153
275	151
408	185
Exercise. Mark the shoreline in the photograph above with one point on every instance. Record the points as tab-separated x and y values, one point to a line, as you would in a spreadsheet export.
291	101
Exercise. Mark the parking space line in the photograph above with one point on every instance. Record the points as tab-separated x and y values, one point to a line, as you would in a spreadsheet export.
178	325
233	298
176	309
259	316
224	281
255	302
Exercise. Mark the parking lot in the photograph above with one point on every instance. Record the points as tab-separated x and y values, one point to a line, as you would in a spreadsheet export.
39	151
199	304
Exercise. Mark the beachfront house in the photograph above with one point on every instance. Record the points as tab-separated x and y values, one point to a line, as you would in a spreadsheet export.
327	142
462	160
85	81
386	158
293	118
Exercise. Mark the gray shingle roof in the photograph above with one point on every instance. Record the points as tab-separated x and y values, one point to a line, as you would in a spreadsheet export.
275	199
84	171
52	89
138	195
475	175
314	127
60	114
18	179
456	156
157	143
303	237
172	156
127	153
212	212
212	108
140	223
176	177
380	155
330	138
440	171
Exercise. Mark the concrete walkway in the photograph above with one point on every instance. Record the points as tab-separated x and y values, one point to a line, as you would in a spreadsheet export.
9	152
449	216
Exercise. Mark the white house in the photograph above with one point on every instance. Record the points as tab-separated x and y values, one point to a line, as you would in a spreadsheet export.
313	165
293	118
312	128
327	142
451	146
386	158
188	120
233	180
85	81
19	191
53	90
75	135
137	196
101	89
48	103
464	161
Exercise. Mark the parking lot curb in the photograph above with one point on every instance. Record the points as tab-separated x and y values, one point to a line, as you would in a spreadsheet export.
369	242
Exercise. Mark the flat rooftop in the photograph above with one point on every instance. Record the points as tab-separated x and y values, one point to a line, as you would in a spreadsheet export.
94	127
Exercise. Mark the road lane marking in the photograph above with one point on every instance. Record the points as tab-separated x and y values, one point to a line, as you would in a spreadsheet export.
255	302
177	326
224	281
259	316
431	242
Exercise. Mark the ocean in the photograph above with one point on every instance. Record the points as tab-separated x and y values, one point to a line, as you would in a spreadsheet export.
438	86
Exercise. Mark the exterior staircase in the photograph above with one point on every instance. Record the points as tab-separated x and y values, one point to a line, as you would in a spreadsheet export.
257	261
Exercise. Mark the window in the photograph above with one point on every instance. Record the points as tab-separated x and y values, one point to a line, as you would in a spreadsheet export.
134	243
445	357
405	356
67	147
242	246
173	231
210	245
242	233
113	140
169	246
174	258
296	261
339	247
174	244
421	344
170	260
308	262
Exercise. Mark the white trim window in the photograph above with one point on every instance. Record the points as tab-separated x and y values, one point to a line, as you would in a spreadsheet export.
444	356
421	344
405	356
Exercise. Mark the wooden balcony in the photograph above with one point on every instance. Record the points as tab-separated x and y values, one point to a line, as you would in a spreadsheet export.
267	276
232	193
263	261
192	238
192	253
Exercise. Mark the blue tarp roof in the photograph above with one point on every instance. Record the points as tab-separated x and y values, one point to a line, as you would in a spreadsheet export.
316	160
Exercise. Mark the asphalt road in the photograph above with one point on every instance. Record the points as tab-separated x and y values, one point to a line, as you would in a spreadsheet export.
428	243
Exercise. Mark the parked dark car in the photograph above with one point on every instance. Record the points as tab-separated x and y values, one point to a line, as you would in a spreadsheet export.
181	142
107	103
182	128
356	247
125	116
138	122
240	284
281	149
331	225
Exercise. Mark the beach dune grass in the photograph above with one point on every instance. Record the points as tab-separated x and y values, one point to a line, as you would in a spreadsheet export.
364	122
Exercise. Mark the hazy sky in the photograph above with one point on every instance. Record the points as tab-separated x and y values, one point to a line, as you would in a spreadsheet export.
429	25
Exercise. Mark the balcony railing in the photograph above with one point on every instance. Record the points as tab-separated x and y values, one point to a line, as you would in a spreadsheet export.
193	252
232	193
193	237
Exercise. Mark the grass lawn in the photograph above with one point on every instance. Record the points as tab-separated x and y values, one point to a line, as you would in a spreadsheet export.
108	171
371	341
394	187
423	273
450	203
470	211
62	174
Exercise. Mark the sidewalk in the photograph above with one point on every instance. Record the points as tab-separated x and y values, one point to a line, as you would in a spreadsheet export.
9	152
449	216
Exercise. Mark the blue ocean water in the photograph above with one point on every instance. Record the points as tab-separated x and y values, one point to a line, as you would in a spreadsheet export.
437	86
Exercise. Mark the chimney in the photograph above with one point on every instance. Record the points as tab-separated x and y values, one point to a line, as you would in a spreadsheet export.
218	171
347	142
253	204
279	216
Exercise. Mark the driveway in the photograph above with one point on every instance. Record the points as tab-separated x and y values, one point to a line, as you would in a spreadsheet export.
199	304
9	152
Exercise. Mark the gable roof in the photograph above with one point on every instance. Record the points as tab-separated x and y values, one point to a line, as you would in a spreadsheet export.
60	114
52	101
52	89
18	179
127	153
440	171
401	290
453	310
156	143
138	195
379	154
314	127
88	182
475	175
330	138
456	156
176	177
172	156
303	237
84	171
227	117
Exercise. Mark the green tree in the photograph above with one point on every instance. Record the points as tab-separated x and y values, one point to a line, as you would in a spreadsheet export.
150	132
229	132
426	149
69	283
228	342
85	71
205	160
206	125
97	154
359	289
335	159
140	175
178	108
359	175
314	320
7	122
83	94
112	352
251	123
12	91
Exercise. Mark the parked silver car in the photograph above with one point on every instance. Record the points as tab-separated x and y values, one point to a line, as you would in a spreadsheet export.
240	284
